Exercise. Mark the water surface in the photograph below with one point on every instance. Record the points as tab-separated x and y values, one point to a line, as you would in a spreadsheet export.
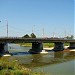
53	63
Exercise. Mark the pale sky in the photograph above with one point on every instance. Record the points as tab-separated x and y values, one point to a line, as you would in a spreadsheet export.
55	16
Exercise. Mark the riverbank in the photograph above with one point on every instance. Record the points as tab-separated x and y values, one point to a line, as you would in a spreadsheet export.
45	45
30	44
11	67
25	44
65	47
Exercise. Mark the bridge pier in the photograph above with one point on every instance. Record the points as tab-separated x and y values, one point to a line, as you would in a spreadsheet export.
4	48
72	45
37	47
58	46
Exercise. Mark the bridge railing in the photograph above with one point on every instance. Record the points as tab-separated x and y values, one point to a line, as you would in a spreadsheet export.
10	37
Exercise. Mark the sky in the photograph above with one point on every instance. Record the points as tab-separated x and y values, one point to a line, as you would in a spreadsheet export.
46	18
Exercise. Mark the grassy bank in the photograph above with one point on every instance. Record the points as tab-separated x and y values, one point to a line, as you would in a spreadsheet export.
25	44
10	66
48	45
30	44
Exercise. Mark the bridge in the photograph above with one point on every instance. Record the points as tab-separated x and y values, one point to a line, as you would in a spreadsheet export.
37	43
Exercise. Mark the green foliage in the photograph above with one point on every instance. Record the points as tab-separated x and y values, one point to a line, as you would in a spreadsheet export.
11	67
69	37
33	35
48	44
26	36
66	44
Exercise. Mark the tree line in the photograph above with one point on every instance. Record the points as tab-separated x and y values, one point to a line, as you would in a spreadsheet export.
69	37
32	35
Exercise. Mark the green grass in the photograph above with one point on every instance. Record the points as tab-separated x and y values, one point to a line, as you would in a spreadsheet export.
66	44
11	67
30	44
48	44
52	44
44	44
26	44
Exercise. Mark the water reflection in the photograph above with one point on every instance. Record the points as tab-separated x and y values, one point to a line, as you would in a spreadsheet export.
36	60
56	63
21	54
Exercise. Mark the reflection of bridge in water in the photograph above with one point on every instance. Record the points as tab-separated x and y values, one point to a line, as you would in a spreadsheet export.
49	59
37	45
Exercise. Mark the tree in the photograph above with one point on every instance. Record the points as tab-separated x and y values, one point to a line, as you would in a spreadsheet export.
33	35
69	37
72	37
26	36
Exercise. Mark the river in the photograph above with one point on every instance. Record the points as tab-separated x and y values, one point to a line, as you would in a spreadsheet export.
53	63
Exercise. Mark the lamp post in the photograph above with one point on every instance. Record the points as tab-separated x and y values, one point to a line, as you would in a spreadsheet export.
43	32
33	28
7	28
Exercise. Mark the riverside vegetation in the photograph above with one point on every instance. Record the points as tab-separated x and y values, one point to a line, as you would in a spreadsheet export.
10	66
30	44
48	45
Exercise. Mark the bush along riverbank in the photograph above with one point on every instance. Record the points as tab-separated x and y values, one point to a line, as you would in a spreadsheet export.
11	67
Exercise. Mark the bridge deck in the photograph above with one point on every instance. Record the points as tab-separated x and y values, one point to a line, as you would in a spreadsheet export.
30	40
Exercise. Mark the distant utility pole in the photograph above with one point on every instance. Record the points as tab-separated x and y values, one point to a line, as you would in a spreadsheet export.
43	32
33	28
53	34
7	28
65	33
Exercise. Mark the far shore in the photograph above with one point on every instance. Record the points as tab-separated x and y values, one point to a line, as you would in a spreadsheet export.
45	47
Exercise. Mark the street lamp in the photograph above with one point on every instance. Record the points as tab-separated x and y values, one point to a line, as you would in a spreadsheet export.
7	28
43	32
33	28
